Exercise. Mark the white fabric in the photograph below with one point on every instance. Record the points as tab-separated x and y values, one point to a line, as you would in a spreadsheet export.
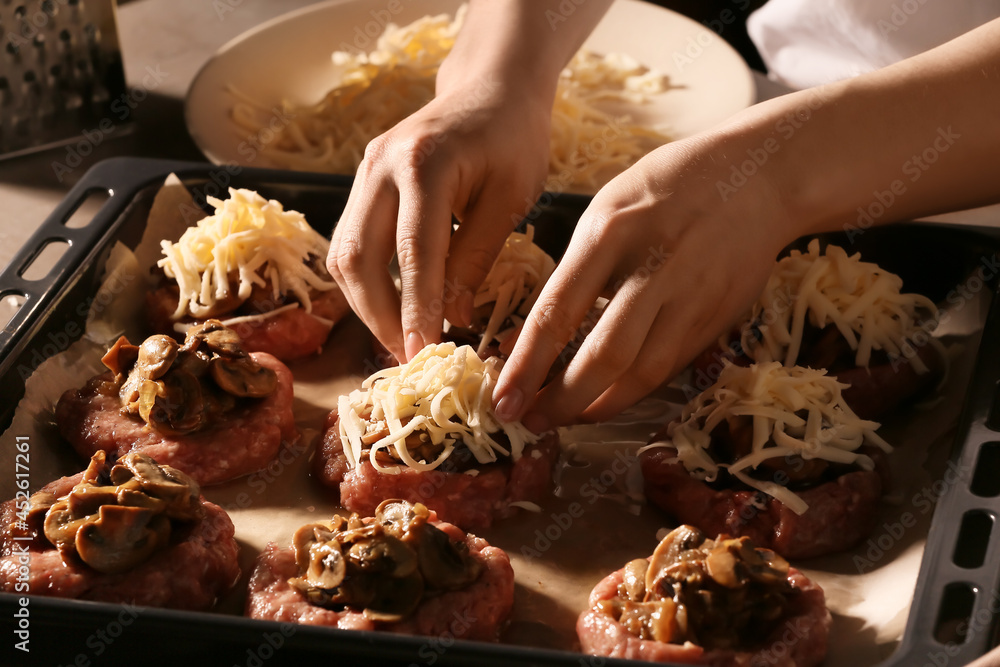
806	43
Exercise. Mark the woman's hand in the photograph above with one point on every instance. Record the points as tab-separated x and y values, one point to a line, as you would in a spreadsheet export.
680	261
480	155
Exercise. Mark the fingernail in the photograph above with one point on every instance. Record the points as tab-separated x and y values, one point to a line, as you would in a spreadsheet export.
509	405
536	422
414	343
465	307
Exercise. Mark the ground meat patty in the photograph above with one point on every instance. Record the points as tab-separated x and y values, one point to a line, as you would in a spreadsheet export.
198	566
841	512
476	612
471	502
798	640
245	441
291	334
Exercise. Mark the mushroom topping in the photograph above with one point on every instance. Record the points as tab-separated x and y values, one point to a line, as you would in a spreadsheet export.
118	516
382	566
719	594
179	389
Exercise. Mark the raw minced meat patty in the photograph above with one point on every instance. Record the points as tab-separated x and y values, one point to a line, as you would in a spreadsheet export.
242	442
841	512
291	334
471	502
198	566
475	612
799	640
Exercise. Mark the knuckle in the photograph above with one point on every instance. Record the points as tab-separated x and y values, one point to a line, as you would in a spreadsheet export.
553	318
350	259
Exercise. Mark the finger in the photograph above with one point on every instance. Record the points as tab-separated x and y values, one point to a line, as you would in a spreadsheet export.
607	353
475	247
553	321
657	361
422	241
362	247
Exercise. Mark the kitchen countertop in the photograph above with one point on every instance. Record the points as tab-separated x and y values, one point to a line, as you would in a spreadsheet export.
174	38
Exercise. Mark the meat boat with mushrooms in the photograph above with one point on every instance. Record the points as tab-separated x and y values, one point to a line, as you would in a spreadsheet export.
204	406
773	453
259	269
831	310
132	532
426	432
723	602
399	571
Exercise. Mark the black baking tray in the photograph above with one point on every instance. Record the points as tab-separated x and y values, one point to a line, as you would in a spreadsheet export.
953	617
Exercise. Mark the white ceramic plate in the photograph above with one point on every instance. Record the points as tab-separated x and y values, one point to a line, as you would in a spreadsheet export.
288	58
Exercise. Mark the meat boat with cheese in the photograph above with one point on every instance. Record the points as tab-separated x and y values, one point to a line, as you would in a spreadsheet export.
831	310
205	406
257	268
772	453
131	531
723	602
399	571
425	432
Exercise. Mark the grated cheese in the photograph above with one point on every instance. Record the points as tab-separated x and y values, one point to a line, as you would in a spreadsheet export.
445	392
513	283
374	91
250	239
773	396
861	299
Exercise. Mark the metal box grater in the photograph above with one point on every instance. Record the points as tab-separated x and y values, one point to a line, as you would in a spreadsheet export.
60	71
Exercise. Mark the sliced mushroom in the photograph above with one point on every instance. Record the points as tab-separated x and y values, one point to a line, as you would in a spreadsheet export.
399	517
721	564
382	555
305	537
38	505
120	538
663	620
243	377
634	579
180	492
327	567
61	526
87	498
120	357
156	355
668	552
216	336
174	405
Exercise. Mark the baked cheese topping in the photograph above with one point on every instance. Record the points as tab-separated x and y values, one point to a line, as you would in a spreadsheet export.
249	241
445	393
861	299
377	90
795	411
514	282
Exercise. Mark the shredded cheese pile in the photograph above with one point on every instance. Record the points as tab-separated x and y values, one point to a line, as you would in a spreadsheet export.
772	395
444	392
862	300
250	238
514	282
376	90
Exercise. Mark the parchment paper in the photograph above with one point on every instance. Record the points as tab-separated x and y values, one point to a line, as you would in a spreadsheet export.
597	519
